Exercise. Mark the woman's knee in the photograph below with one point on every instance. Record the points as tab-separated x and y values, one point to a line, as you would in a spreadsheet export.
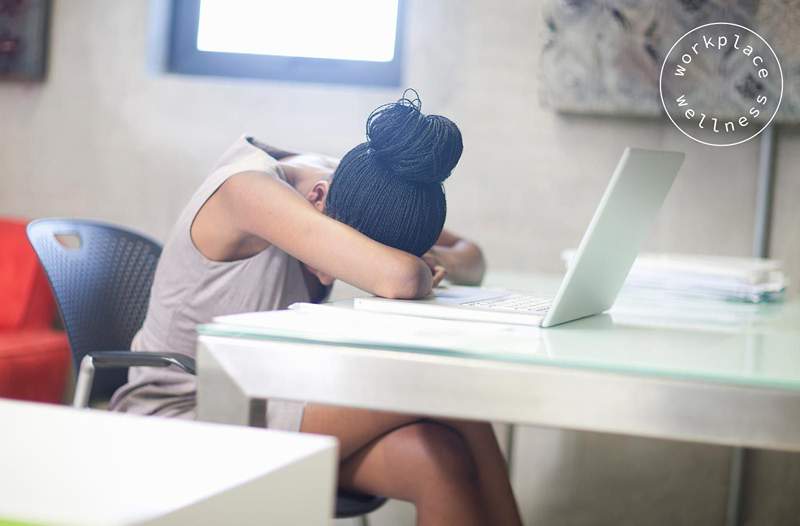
443	452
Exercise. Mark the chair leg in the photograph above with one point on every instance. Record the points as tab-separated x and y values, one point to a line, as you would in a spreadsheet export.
733	510
83	387
364	520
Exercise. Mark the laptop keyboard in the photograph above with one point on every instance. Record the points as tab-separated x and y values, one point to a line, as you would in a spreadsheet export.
513	303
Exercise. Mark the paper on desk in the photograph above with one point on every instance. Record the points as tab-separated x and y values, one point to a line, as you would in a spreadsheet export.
328	324
750	280
737	269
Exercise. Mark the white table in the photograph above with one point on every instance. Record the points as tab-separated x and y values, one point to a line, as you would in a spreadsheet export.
85	467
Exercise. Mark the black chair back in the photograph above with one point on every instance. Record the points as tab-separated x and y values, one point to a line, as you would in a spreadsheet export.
101	276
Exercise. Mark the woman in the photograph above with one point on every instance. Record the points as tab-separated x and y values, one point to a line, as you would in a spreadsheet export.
269	228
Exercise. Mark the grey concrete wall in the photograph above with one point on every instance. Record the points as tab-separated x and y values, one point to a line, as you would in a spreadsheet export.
105	138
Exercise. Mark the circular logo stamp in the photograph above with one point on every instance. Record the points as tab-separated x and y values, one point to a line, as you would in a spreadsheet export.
721	84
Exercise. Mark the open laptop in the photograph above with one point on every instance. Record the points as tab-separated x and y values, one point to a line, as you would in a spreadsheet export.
609	247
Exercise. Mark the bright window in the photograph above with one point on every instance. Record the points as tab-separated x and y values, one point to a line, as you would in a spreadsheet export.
349	41
340	29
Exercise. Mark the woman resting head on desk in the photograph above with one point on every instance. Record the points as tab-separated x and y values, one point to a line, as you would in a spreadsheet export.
269	228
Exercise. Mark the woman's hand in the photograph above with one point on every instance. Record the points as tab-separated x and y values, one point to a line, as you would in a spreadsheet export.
461	259
436	265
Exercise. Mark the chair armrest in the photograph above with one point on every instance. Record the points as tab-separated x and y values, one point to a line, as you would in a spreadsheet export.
115	359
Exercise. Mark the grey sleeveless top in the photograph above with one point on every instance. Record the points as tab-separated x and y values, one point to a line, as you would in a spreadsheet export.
190	289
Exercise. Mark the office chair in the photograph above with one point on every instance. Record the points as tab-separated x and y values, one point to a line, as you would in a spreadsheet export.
101	277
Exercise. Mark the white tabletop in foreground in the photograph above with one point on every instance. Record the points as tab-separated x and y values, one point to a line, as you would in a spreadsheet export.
63	466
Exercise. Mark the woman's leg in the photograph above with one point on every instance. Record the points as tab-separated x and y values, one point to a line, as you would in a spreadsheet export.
425	463
357	431
492	470
354	428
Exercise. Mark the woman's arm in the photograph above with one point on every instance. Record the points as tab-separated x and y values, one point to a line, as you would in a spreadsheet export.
462	259
262	206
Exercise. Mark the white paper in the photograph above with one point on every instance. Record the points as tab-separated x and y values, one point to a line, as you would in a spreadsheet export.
340	325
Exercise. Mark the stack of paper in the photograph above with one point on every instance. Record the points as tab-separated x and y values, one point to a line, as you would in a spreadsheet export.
340	325
751	280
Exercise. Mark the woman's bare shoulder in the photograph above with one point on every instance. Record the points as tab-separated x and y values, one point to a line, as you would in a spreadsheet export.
216	231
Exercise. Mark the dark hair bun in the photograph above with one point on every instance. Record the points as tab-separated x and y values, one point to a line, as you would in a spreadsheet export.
411	145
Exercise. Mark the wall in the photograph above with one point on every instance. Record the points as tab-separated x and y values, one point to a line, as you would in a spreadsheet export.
105	138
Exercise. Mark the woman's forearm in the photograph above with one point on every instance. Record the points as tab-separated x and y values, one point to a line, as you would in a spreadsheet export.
408	278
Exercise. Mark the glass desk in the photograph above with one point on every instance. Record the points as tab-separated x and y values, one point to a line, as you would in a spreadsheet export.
701	371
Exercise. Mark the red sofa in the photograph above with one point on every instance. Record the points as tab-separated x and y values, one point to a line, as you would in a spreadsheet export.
34	357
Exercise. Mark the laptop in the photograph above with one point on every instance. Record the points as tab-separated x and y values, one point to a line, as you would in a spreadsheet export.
606	253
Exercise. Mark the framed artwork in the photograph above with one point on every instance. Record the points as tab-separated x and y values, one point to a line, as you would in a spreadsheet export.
604	56
23	39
